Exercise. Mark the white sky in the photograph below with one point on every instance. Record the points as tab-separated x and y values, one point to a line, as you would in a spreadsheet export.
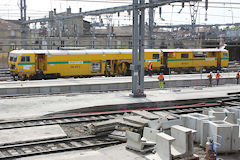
227	13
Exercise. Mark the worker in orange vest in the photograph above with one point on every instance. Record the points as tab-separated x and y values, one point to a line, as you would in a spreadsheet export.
218	77
210	79
161	81
237	77
150	69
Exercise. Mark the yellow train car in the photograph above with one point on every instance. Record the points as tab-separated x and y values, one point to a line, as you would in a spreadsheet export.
39	64
44	64
183	60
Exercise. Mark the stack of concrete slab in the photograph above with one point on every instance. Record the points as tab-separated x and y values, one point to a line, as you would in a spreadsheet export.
135	122
217	124
179	144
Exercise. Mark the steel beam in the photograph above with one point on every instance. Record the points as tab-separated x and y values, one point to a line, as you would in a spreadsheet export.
108	10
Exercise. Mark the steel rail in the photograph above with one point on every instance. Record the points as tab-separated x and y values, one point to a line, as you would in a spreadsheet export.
99	141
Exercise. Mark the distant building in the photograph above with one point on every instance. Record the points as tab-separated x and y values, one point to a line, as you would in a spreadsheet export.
10	38
10	35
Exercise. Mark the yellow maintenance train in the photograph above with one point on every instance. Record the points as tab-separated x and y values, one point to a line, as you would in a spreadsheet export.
44	64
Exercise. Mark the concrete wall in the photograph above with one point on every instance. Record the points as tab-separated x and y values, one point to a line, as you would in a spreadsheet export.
104	87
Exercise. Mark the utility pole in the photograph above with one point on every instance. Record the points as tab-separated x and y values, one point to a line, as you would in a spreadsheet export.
150	26
23	8
137	65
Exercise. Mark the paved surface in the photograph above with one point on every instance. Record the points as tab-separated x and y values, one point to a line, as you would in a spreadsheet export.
117	152
103	80
20	107
18	135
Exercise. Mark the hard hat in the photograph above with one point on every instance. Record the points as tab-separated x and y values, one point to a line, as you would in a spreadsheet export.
217	71
211	72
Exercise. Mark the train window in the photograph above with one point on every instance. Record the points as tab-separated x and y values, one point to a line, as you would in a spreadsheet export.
184	55
15	58
23	59
155	56
213	54
11	58
95	67
27	58
225	55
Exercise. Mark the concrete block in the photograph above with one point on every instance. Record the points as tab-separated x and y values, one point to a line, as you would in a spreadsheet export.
23	91
85	88
54	89
74	88
104	87
182	145
222	114
169	124
20	135
34	90
45	90
146	115
156	124
136	119
3	91
163	148
194	121
149	134
236	110
11	91
95	87
64	89
134	142
164	115
222	132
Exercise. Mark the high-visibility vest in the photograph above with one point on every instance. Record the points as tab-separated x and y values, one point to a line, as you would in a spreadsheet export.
217	76
237	76
209	76
150	66
160	78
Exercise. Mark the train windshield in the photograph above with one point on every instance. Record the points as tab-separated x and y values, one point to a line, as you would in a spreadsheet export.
14	58
11	58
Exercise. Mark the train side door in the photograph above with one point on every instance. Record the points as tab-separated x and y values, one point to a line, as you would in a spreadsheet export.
41	62
218	60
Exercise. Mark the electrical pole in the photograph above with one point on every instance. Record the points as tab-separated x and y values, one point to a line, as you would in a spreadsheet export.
23	8
150	26
137	65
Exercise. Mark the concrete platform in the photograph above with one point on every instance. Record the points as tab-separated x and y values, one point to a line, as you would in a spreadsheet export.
28	134
23	107
72	85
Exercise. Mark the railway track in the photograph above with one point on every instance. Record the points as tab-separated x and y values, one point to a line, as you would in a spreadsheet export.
56	120
100	116
5	74
79	143
54	146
